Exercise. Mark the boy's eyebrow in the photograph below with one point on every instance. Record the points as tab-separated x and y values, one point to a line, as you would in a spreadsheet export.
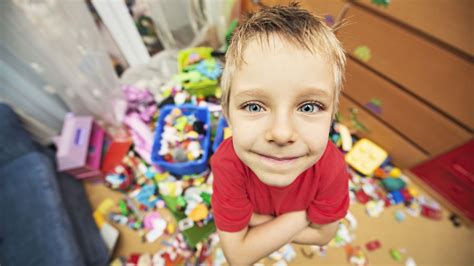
314	91
251	93
309	91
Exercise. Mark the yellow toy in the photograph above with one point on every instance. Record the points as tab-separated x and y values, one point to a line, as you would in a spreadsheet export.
345	137
366	156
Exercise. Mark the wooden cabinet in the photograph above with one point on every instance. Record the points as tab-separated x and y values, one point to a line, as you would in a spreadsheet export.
416	121
403	152
431	73
450	22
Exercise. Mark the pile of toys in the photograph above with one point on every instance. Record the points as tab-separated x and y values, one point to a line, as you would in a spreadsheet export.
376	182
180	140
176	174
175	251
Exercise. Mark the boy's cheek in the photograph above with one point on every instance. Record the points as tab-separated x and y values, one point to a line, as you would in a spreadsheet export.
242	131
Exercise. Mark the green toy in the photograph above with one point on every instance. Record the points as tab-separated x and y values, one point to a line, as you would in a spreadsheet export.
229	32
198	71
193	55
362	53
123	207
395	254
195	234
196	83
393	184
383	3
206	197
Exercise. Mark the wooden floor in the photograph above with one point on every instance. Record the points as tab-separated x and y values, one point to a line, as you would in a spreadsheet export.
428	242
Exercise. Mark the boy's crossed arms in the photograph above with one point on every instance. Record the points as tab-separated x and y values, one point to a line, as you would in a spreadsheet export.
265	234
313	234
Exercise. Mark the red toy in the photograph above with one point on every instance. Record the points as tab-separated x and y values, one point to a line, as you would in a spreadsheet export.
428	212
373	245
115	150
362	197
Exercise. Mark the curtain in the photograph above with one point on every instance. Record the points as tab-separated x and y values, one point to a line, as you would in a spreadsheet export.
52	61
188	23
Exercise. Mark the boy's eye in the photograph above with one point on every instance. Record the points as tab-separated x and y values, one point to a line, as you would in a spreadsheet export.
310	108
253	107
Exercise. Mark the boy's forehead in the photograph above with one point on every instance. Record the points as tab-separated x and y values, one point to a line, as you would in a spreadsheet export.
275	61
267	45
263	57
276	43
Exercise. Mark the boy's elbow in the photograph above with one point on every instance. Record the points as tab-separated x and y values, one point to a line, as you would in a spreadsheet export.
234	247
239	262
325	241
239	254
326	233
321	240
329	236
237	258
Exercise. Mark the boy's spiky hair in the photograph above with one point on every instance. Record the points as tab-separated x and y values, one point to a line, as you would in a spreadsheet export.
293	24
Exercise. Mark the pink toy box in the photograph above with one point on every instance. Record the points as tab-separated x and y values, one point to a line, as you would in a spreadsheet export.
79	147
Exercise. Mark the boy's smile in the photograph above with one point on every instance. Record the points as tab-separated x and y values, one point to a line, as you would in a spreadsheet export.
280	109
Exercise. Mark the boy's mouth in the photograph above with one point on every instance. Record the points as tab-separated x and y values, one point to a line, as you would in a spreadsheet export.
278	159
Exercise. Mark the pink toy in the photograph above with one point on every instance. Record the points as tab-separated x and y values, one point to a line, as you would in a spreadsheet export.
150	218
141	134
80	146
94	153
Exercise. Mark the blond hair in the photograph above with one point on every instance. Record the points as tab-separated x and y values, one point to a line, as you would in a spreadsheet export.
293	24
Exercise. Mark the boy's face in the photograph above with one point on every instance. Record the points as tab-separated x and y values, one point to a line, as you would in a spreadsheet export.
280	110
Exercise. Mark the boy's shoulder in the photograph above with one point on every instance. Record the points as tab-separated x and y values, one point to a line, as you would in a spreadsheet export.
332	157
225	157
226	165
225	152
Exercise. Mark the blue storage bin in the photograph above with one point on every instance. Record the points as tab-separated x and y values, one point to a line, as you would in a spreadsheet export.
190	167
219	133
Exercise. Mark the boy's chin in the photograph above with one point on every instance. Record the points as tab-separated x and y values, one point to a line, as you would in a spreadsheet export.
276	180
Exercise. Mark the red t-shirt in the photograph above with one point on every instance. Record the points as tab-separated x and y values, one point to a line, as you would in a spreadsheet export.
321	190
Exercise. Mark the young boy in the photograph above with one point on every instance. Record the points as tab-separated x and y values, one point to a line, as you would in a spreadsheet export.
279	179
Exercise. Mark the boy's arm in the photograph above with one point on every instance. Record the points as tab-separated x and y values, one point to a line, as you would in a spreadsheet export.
316	234
258	219
251	244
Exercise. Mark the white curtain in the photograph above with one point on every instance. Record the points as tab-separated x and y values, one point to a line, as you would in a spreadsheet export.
187	23
52	60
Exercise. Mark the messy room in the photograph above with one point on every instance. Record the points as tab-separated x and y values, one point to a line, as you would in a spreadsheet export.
236	132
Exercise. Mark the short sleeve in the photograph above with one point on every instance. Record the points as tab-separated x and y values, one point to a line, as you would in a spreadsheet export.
230	202
332	198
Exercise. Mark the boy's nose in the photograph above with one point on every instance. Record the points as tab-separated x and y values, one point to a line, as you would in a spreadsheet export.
281	131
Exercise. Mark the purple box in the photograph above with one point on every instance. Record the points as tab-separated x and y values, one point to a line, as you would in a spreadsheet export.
94	153
79	147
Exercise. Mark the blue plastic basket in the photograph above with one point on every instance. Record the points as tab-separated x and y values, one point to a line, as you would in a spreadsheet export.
219	133
190	167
